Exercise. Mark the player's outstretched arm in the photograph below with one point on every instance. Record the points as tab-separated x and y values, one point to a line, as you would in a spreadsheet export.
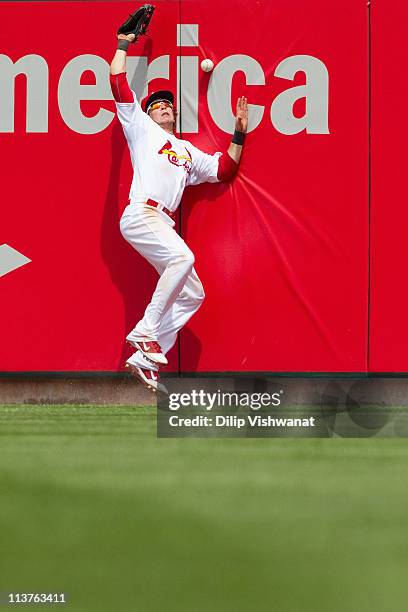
241	126
118	63
118	81
229	161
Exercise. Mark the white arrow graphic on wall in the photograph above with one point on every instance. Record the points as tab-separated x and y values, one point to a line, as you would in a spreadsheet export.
10	259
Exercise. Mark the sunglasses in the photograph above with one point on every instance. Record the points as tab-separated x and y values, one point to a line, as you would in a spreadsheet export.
158	104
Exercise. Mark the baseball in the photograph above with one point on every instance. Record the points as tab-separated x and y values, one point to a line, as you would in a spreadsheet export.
207	65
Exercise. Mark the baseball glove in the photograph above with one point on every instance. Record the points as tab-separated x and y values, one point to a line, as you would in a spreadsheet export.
138	22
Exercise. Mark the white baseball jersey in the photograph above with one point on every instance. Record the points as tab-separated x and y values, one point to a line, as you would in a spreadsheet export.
163	165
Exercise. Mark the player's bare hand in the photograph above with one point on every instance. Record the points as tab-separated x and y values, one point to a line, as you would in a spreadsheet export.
241	118
129	37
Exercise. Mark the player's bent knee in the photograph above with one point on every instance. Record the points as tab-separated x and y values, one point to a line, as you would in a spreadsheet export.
200	295
184	261
196	297
190	259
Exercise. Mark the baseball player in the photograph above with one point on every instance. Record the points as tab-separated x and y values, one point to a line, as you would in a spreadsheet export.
163	165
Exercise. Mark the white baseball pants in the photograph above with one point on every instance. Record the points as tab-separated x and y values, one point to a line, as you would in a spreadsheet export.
179	292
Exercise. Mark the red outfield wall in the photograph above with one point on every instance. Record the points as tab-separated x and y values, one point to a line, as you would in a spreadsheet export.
389	212
282	251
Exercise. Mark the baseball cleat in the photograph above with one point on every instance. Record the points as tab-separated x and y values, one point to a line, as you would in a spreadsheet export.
151	350
149	378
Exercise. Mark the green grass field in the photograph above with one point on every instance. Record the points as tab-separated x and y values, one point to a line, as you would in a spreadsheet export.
94	505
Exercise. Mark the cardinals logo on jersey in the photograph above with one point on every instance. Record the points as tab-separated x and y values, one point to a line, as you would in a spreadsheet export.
175	159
